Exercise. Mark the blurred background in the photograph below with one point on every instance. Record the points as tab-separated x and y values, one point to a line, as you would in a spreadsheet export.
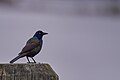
83	41
75	7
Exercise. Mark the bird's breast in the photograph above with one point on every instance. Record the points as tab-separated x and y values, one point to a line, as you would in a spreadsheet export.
35	51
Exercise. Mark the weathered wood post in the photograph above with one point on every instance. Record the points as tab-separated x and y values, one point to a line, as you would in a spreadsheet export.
30	71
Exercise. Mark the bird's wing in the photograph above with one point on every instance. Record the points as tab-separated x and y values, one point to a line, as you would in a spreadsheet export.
30	45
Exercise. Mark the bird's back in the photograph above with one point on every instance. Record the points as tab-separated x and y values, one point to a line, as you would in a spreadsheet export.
32	47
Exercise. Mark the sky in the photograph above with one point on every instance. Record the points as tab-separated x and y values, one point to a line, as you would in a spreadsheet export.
76	47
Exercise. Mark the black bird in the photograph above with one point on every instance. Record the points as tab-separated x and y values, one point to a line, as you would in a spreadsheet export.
32	47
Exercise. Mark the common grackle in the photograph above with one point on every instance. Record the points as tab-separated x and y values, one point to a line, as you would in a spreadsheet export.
32	47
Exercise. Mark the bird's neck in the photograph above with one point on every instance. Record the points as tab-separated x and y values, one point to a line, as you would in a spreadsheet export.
39	38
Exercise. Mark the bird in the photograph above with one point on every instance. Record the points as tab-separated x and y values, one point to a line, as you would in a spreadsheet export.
33	47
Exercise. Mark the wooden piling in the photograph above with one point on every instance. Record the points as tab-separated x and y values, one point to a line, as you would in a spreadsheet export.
29	71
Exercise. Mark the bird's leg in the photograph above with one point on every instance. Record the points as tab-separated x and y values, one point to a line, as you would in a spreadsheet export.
33	59
28	59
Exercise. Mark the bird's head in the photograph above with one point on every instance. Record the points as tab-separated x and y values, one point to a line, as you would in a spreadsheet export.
39	34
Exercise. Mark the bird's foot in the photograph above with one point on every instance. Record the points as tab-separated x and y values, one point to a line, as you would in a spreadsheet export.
28	62
34	62
31	62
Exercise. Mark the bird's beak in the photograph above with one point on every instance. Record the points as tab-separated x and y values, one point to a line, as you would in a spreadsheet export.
45	33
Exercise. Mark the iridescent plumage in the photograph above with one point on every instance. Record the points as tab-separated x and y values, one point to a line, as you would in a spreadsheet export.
32	47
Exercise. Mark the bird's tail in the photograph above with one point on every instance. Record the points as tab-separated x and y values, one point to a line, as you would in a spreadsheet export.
16	58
